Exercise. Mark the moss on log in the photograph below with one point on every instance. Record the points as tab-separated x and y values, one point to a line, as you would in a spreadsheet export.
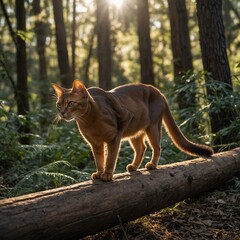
88	207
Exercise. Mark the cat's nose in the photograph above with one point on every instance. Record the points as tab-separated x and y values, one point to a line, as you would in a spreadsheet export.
62	113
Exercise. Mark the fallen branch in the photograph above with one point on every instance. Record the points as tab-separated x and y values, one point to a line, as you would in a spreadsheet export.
86	208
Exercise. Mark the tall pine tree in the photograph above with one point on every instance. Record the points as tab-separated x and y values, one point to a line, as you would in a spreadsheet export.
216	65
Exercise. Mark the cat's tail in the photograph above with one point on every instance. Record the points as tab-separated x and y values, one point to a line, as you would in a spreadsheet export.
179	139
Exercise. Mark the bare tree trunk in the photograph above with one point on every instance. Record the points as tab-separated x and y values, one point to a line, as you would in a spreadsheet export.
86	208
231	20
40	31
181	49
73	38
61	41
215	62
3	58
88	59
22	85
11	31
104	45
147	75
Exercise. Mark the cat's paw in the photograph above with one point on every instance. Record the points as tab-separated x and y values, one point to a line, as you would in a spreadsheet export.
106	177
96	175
131	168
150	166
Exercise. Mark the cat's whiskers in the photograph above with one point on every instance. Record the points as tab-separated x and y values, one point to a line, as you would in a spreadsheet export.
57	119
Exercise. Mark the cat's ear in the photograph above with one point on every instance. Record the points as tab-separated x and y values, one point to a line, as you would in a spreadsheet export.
78	87
59	91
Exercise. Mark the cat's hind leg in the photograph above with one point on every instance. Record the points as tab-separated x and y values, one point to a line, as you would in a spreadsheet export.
154	138
139	146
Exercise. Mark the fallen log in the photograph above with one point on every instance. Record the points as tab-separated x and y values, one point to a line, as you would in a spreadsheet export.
88	207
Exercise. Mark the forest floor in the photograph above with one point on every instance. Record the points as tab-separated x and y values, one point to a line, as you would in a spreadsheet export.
213	215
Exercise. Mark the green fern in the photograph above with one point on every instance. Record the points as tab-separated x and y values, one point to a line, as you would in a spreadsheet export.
52	175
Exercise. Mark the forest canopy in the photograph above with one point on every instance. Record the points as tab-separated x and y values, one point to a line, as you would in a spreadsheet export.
188	49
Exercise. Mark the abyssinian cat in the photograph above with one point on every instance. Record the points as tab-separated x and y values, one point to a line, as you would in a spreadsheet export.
134	112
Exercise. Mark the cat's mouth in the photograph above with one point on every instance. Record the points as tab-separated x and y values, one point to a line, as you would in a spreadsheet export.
65	117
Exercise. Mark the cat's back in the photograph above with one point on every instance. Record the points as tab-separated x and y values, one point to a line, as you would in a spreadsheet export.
100	96
131	88
95	91
136	89
129	92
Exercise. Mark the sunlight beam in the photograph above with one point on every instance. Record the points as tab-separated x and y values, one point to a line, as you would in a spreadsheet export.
116	3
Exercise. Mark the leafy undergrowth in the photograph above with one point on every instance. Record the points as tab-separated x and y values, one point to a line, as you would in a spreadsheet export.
213	215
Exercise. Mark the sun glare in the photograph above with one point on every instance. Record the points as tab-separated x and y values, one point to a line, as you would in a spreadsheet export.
117	3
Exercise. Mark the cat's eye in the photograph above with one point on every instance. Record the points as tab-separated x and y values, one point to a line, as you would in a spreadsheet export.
71	104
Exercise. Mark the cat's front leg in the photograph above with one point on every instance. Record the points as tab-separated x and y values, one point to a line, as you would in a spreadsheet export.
96	175
98	153
107	177
113	148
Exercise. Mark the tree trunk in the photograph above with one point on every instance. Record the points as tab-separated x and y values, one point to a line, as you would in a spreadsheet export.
3	58
61	41
73	38
181	50
146	64
228	22
86	208
22	85
215	62
104	45
86	65
231	17
40	31
7	19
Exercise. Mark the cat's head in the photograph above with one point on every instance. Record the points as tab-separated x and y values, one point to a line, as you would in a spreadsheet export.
72	103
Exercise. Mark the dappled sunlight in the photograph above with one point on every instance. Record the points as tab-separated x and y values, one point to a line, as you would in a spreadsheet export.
117	3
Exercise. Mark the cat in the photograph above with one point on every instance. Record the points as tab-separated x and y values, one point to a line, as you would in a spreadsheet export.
133	112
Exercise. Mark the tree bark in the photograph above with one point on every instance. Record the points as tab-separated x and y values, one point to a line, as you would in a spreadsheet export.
73	38
23	104
40	31
143	25
22	84
3	59
181	49
86	65
104	45
215	63
62	52
86	208
7	19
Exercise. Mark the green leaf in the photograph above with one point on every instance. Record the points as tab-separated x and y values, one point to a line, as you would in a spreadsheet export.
237	65
23	35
